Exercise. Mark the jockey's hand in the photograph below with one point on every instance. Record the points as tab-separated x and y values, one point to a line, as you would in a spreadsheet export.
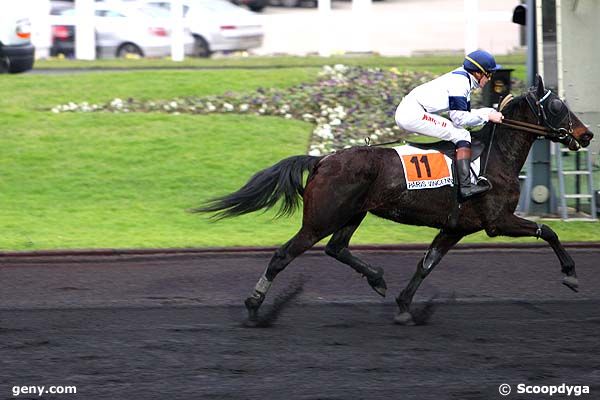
496	117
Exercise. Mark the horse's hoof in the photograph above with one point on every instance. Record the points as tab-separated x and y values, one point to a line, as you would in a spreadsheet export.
252	305
404	318
378	283
251	323
380	289
571	282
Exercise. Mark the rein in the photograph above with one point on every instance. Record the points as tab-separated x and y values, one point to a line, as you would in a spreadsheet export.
526	127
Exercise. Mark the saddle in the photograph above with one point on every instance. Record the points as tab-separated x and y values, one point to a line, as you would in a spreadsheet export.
449	149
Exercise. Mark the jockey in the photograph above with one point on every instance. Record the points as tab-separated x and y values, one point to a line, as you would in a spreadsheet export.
451	92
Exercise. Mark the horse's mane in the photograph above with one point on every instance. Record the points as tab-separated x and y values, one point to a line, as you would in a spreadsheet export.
484	134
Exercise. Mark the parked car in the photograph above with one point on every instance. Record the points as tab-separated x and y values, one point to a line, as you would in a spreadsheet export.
122	30
63	36
218	25
17	54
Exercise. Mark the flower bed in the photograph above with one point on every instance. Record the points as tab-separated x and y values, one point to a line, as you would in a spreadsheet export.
346	104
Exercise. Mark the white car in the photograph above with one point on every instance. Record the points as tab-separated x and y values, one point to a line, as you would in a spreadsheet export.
218	25
17	54
128	30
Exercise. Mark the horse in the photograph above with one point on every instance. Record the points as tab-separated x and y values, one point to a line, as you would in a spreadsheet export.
342	187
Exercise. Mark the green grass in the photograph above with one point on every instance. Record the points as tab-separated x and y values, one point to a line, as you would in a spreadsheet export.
125	180
435	64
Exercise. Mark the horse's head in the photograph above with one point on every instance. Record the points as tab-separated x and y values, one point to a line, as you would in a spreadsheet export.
552	113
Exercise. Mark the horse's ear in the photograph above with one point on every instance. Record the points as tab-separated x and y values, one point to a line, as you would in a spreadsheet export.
540	91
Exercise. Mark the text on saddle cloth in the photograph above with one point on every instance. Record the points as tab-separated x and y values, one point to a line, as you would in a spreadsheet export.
429	169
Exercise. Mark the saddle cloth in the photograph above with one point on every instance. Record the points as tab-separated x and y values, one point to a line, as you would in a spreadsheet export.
430	168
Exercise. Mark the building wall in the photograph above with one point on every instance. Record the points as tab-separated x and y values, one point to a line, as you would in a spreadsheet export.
580	60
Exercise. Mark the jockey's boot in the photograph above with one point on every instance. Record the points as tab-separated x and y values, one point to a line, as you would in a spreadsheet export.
463	167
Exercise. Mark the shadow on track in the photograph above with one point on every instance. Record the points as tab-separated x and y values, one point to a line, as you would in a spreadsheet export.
280	303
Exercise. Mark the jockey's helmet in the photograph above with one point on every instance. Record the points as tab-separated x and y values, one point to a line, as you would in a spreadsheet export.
481	61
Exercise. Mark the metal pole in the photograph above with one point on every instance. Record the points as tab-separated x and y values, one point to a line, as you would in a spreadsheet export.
531	62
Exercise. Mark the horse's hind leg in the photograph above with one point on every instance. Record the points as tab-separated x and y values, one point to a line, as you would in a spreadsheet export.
438	248
514	226
338	249
301	242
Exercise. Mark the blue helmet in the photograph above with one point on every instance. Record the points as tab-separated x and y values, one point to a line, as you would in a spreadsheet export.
480	60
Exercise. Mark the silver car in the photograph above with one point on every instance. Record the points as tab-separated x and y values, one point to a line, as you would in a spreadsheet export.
129	30
218	25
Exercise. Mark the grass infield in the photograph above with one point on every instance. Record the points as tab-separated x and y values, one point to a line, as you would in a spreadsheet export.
74	181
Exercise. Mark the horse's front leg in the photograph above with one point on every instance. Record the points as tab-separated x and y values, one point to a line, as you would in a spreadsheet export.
518	227
443	242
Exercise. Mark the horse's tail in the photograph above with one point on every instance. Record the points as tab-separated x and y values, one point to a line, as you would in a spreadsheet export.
265	188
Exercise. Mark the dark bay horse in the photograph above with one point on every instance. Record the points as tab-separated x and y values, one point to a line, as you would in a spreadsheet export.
343	187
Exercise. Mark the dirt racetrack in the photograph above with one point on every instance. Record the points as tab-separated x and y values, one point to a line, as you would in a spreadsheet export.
170	327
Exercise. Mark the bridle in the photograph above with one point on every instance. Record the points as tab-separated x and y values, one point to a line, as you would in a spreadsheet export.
550	112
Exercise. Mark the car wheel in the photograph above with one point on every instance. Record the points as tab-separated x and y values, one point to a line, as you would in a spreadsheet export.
129	50
201	47
256	7
4	65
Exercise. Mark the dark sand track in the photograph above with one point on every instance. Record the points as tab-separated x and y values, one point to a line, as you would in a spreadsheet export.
170	327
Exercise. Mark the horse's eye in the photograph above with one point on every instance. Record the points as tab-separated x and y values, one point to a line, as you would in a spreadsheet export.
555	106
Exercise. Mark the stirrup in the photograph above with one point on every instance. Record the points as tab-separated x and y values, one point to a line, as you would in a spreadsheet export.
483	180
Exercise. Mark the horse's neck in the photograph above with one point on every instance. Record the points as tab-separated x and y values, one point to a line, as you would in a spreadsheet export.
511	148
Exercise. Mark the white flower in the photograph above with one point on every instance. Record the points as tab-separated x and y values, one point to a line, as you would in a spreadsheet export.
210	107
244	107
339	110
340	68
335	122
56	110
116	103
307	117
314	152
324	132
228	107
288	116
173	104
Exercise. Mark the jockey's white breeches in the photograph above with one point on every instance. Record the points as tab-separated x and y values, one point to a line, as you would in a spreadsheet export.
412	117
